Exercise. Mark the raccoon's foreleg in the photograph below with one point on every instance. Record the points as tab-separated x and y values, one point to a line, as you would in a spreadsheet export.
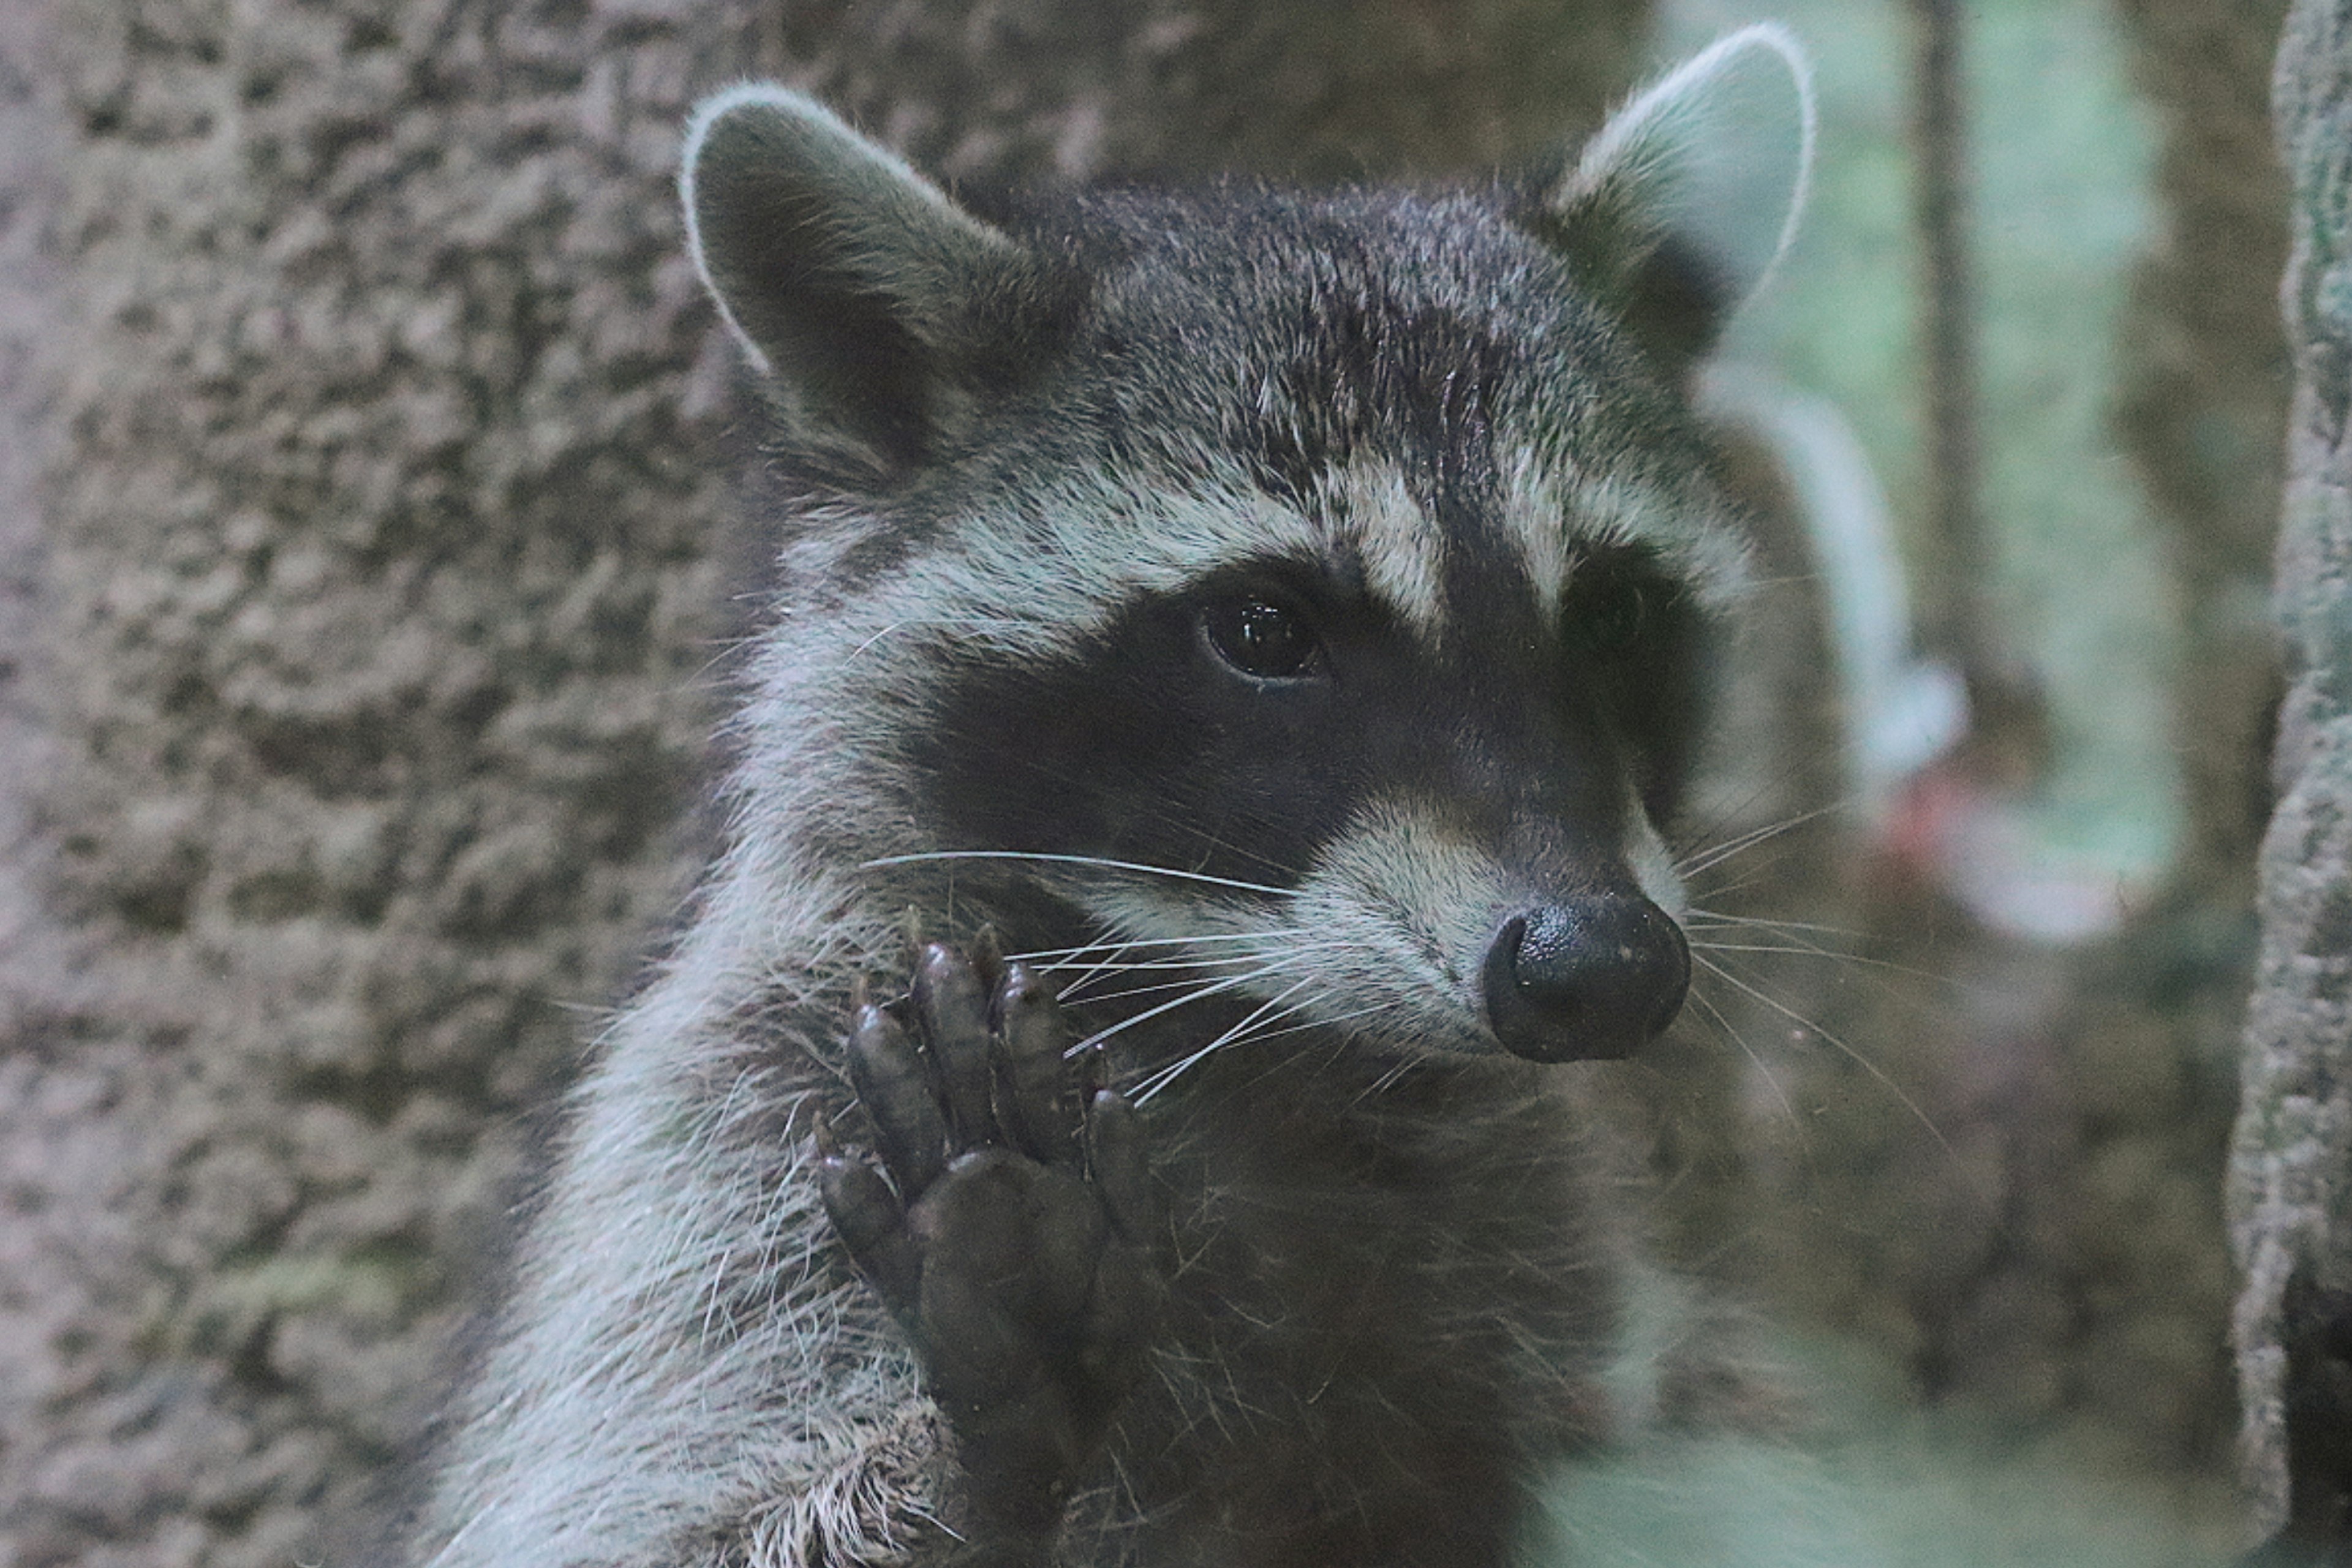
1011	1240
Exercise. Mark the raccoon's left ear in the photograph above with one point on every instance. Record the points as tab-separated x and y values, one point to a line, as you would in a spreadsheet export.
1677	211
873	307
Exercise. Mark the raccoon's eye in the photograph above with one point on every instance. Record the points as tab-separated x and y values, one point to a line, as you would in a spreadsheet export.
1611	622
1259	638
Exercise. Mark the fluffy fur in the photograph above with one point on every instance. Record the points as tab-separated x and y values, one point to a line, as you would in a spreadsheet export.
1023	459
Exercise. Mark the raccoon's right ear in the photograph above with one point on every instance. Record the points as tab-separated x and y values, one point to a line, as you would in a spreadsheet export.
870	304
1678	209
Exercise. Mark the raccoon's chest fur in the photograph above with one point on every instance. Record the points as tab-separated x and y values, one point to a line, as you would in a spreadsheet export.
1392	1320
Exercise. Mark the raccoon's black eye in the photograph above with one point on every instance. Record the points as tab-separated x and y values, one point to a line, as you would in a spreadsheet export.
1259	638
1612	622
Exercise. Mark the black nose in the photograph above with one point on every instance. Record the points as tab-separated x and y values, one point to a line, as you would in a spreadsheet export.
1586	977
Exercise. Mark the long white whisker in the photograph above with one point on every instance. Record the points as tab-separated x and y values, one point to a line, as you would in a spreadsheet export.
1702	861
1323	1022
1155	987
1754	873
1049	954
1723	919
895	627
1279	961
1114	954
1112	949
1805	948
1149	988
1169	1074
1115	961
1095	860
1864	1062
1224	960
1814	950
1197	994
1798	945
1722	1026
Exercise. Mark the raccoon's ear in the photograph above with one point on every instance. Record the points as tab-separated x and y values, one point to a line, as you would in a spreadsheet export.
870	304
1677	210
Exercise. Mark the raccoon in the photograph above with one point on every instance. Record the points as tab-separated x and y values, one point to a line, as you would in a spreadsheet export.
1243	645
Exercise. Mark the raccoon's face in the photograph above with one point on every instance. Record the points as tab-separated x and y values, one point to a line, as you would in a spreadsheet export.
1441	839
1305	594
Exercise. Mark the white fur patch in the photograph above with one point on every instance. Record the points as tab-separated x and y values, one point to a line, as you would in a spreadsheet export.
1677	148
1401	546
1653	865
1384	936
1554	518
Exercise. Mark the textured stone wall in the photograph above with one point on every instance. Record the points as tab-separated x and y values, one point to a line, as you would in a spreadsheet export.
2290	1177
378	578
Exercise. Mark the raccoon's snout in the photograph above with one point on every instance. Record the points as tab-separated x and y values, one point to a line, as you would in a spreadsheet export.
1587	977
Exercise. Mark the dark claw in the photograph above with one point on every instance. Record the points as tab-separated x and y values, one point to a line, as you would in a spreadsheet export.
987	955
896	1088
874	1227
1034	1099
1090	1073
1115	1156
952	1012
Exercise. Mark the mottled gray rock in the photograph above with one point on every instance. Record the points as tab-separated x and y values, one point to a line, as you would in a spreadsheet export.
2291	1175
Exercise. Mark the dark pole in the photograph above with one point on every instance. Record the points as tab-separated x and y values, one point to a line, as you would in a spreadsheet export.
1957	554
1955	606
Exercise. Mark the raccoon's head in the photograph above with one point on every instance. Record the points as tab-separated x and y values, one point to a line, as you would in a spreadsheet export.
1304	594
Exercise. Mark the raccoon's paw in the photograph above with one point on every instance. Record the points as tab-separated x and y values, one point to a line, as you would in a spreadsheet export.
1011	1237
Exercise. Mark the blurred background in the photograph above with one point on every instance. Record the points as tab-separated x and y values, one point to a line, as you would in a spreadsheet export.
367	462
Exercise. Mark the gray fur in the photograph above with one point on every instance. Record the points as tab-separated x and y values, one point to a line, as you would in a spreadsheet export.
1082	406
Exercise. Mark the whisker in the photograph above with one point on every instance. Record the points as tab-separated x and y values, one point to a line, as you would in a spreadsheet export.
1318	1022
1113	952
1692	837
1050	953
1776	924
1075	996
1364	1012
1725	1029
1807	949
1144	990
895	627
1700	861
1797	946
1174	965
1389	1078
1860	1061
1323	1022
1113	960
1174	1070
1215	843
1197	994
1754	873
1812	950
1093	860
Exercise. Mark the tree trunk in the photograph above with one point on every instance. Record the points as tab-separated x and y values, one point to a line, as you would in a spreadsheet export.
2291	1176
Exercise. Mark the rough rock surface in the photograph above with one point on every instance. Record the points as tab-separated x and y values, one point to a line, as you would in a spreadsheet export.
2290	1177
